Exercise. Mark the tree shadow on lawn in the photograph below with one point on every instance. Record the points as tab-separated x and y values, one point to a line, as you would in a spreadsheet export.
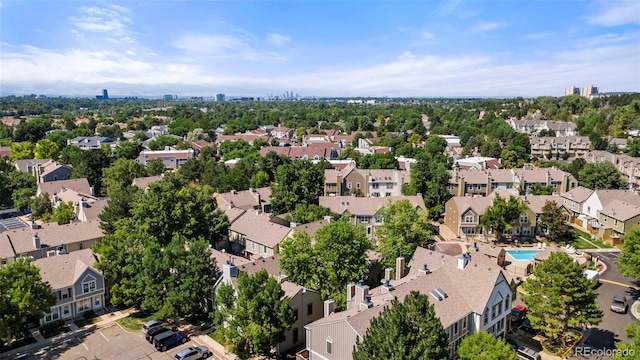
601	339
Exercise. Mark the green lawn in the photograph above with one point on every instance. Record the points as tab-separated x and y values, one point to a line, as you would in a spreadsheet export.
86	321
582	240
134	321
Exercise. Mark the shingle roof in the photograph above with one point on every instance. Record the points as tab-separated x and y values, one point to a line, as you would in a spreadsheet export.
312	227
245	199
365	205
606	196
259	228
23	165
621	210
222	257
578	194
507	175
490	249
477	204
54	187
51	235
144	182
537	202
94	208
62	271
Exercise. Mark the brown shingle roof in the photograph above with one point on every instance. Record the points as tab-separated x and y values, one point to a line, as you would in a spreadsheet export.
364	205
578	194
312	227
607	196
94	208
144	182
245	199
77	185
537	202
259	228
621	210
62	271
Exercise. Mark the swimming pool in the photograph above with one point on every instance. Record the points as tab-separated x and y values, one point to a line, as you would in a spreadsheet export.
523	254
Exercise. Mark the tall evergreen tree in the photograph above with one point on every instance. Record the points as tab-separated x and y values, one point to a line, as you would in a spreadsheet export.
629	260
484	346
405	330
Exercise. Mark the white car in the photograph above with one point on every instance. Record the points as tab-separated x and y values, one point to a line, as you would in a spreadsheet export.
193	353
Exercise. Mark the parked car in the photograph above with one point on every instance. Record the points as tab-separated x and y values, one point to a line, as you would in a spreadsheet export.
157	330
593	276
193	353
150	324
518	313
619	304
169	339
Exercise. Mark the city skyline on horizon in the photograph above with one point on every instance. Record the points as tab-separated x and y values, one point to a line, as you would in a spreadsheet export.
427	49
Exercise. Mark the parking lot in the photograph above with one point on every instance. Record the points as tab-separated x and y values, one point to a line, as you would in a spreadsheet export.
11	223
105	344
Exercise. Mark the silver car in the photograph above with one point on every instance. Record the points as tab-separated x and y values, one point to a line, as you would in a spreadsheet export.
193	353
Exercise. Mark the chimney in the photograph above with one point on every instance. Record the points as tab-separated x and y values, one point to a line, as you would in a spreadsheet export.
36	241
34	226
366	303
362	291
399	268
91	190
328	218
424	270
462	262
229	270
388	273
282	278
293	224
329	307
386	286
351	291
231	205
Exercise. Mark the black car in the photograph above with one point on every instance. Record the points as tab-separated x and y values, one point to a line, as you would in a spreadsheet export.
154	331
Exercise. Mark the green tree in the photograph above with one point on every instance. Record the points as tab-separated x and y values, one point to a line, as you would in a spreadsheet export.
191	170
41	206
46	149
484	346
633	148
161	142
155	167
297	182
21	151
538	189
22	199
260	179
430	177
501	215
403	229
378	161
628	349
552	219
118	207
22	294
560	297
91	166
404	331
249	328
298	259
304	214
64	213
121	174
128	150
629	259
600	176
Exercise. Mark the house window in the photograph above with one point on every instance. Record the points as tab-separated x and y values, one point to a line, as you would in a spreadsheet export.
375	194
389	186
375	186
378	219
368	230
66	294
65	310
329	186
264	249
494	311
253	245
357	185
348	185
455	329
615	222
494	186
506	302
89	286
295	335
309	308
468	218
329	346
509	186
80	245
605	218
486	317
84	305
524	219
363	219
387	194
451	187
469	186
464	323
526	231
588	209
53	315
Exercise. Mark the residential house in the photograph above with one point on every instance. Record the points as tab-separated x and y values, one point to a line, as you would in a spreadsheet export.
616	218
364	182
248	137
305	303
528	224
144	182
90	210
482	183
44	170
256	234
405	163
5	151
252	199
172	159
446	280
601	199
575	146
91	142
627	165
53	188
197	146
478	163
527	126
309	228
78	286
39	241
573	201
281	132
320	151
365	211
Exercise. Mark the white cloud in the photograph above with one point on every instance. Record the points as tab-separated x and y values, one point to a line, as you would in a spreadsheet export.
536	36
112	20
277	39
614	13
487	26
222	46
427	35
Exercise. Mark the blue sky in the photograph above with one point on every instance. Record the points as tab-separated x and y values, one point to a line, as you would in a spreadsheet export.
321	48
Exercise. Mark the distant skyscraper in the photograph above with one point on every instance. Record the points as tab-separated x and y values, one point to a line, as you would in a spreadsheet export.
167	97
574	90
587	91
220	97
105	94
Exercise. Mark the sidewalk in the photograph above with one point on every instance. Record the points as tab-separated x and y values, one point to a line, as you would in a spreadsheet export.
107	318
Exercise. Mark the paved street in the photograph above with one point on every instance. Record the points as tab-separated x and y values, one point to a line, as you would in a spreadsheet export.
109	343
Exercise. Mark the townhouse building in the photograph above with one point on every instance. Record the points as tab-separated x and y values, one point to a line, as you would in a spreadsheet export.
364	182
575	146
620	209
305	303
172	159
446	280
57	188
483	183
44	170
628	166
365	211
255	235
527	126
91	142
573	200
252	199
51	239
78	286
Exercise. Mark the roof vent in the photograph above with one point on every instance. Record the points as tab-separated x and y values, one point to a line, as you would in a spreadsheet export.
424	269
386	286
366	304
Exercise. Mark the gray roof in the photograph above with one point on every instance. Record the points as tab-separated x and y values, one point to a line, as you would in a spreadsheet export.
54	187
23	165
62	271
